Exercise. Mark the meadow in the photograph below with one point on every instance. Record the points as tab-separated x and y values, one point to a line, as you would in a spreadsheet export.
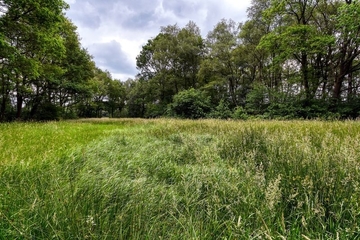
180	179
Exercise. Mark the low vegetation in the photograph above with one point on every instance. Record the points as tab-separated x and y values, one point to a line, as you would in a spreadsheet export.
180	179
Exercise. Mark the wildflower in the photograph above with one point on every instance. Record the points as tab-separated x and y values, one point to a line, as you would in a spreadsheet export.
90	220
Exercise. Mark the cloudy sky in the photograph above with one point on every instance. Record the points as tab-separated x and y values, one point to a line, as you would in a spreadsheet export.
114	31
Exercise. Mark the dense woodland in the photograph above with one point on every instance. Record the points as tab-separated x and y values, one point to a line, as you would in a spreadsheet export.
290	59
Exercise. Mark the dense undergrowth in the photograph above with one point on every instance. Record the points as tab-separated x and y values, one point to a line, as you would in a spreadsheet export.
180	179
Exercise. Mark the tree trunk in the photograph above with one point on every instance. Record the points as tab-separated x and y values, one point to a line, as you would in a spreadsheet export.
337	88
19	104
3	101
3	108
350	87
344	69
305	72
232	90
37	99
19	97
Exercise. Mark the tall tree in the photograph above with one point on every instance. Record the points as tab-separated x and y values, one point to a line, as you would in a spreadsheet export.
171	60
30	35
78	68
221	70
297	38
346	57
116	97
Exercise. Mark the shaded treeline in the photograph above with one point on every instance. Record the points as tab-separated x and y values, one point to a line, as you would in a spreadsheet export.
44	71
293	59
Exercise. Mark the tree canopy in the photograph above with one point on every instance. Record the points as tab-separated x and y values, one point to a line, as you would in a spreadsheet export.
290	59
44	72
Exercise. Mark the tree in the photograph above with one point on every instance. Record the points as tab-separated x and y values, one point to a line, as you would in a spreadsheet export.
115	97
171	61
190	104
222	69
346	58
296	38
72	85
136	97
30	39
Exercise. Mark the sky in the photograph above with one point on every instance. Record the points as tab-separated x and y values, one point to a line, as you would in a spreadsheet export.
114	31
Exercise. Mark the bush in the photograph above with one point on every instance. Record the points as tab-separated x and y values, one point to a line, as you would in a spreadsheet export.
154	110
190	104
240	113
281	111
222	111
257	100
47	112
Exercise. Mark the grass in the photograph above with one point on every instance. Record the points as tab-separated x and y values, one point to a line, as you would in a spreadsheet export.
180	179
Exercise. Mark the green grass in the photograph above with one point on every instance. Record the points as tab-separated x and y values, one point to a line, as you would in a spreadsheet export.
180	179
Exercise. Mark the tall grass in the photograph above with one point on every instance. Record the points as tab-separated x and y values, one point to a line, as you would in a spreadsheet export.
177	179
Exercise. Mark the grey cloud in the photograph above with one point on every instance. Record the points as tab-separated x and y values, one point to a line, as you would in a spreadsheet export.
126	13
143	14
140	5
102	6
216	12
139	21
91	13
110	56
86	21
85	15
182	9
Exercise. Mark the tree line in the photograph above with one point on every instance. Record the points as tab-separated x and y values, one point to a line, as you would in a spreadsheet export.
45	73
290	59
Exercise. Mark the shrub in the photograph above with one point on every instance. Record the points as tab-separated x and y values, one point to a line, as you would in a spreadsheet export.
240	113
47	111
190	104
154	110
222	111
257	100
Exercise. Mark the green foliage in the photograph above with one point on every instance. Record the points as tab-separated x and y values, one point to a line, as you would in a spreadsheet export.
348	19
116	96
284	62
69	114
136	97
290	59
154	110
47	111
170	62
257	99
222	111
190	104
46	67
223	65
294	40
240	113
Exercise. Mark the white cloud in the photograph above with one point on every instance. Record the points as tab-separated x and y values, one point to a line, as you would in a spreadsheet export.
126	25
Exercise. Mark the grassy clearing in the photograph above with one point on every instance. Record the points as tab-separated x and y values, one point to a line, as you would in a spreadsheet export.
172	179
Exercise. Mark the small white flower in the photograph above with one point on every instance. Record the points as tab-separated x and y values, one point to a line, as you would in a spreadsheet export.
90	220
